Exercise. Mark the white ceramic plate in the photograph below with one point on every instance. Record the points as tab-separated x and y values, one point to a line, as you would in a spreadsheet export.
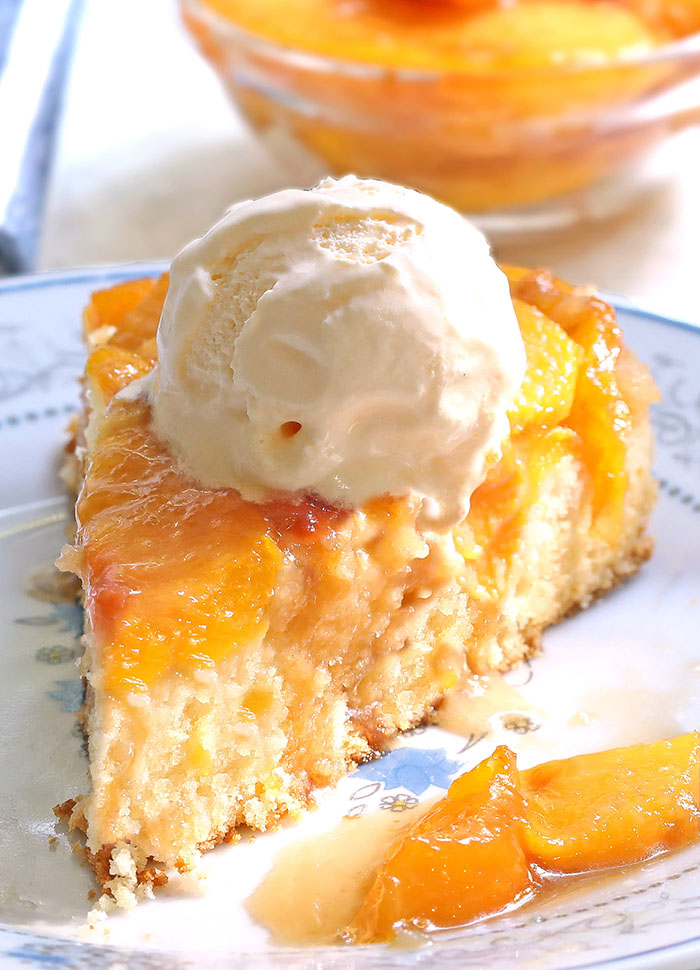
627	670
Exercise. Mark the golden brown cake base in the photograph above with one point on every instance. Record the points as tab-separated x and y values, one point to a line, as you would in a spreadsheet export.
367	625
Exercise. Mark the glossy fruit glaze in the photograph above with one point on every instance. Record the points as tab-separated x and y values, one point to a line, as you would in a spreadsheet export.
178	576
499	834
599	413
458	35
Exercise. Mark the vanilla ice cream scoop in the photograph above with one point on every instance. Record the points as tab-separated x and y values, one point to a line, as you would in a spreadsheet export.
349	341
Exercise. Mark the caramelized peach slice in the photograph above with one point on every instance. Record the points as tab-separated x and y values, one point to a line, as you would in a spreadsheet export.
499	507
108	308
599	412
613	807
151	536
473	852
154	536
568	305
461	860
601	416
129	313
547	392
137	331
112	368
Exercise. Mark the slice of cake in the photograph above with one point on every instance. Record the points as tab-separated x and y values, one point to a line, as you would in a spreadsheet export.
279	568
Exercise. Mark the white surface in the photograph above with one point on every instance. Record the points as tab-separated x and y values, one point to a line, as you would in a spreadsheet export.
151	153
644	636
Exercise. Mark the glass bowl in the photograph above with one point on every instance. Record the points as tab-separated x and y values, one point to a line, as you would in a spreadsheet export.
515	150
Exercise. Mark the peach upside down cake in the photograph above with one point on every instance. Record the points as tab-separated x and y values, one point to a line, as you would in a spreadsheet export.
240	652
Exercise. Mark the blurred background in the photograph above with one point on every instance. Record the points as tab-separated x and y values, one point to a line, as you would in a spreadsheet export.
150	150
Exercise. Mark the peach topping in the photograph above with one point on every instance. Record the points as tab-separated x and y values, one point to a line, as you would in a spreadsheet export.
463	35
151	538
491	841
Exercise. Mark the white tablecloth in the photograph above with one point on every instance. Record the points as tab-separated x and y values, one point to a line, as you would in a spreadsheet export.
151	152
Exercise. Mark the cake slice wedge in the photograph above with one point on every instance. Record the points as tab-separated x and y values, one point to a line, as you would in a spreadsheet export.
240	654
